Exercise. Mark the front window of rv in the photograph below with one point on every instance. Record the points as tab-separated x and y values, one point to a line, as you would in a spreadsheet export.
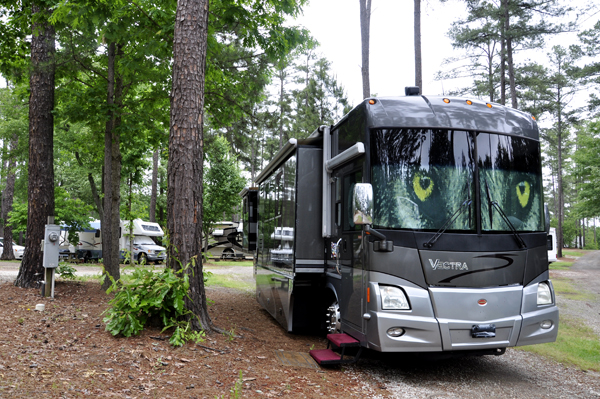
510	183
423	179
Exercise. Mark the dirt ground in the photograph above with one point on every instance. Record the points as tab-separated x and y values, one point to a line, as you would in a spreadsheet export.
64	352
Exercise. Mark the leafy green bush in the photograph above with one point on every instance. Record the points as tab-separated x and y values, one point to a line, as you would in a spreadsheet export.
66	271
150	295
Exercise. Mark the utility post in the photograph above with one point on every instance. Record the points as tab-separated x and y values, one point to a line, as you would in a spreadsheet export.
50	246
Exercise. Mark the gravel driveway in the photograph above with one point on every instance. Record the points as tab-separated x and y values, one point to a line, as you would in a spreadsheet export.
516	374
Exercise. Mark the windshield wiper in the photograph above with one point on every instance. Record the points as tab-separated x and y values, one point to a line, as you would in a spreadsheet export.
450	220
494	204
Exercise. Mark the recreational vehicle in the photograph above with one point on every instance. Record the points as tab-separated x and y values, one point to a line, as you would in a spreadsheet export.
136	243
224	242
416	224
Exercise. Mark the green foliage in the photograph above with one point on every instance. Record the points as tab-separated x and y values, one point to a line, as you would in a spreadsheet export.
236	390
576	344
222	183
560	265
66	271
588	162
72	212
152	295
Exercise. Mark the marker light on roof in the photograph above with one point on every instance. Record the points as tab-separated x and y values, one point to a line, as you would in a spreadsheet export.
447	100
489	105
469	102
372	101
533	117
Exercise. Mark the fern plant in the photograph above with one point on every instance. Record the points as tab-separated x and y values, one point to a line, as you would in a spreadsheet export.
152	294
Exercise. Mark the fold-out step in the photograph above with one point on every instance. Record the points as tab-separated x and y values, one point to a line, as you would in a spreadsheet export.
342	340
325	356
337	341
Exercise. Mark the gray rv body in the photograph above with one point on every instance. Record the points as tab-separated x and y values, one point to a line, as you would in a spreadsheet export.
462	282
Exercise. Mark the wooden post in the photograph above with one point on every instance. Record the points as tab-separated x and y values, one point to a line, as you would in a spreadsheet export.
49	278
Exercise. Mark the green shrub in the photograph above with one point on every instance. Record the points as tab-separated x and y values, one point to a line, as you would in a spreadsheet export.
66	271
152	295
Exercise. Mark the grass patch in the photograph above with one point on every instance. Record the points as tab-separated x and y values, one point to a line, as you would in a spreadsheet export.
576	344
564	287
567	252
230	263
560	265
227	281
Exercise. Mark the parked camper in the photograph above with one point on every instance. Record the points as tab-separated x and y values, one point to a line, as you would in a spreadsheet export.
417	225
139	243
136	241
89	246
225	241
552	245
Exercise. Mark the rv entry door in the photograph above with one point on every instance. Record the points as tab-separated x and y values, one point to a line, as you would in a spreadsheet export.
350	247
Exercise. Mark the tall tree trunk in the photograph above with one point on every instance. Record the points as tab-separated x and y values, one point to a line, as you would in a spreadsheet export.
153	193
184	171
365	28
40	190
7	201
509	60
112	175
93	187
418	59
559	180
503	33
281	95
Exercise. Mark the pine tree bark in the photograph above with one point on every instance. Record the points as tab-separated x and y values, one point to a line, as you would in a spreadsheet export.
7	201
93	187
184	171
153	193
503	33
418	58
365	29
41	130
112	175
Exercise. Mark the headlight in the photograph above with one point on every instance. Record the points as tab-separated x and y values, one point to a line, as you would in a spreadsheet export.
393	298
544	295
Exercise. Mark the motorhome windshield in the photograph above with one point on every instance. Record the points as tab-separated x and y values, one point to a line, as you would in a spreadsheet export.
425	178
143	240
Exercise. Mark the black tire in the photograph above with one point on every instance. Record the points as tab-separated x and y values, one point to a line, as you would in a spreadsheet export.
142	259
228	253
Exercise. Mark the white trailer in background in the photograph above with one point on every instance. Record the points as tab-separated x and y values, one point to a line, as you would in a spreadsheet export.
552	245
135	238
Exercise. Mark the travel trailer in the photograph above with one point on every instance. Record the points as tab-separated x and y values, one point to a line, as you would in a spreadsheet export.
224	242
416	224
137	242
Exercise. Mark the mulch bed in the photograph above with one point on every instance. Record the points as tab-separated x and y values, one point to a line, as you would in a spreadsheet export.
65	352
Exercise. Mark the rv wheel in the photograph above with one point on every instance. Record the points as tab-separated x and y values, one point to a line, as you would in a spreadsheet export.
228	254
142	259
333	318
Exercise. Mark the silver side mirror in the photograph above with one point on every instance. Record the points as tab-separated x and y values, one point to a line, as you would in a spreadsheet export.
362	204
547	218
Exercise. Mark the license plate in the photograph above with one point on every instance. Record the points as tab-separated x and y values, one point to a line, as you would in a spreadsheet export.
483	331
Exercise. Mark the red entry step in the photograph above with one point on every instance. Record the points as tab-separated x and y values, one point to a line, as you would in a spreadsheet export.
339	341
325	356
342	340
